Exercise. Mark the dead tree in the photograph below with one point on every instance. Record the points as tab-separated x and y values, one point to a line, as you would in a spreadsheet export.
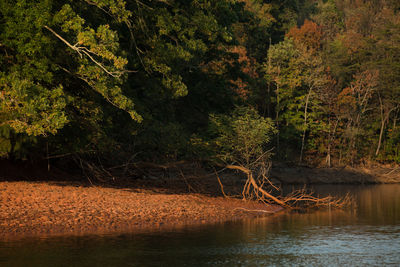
259	187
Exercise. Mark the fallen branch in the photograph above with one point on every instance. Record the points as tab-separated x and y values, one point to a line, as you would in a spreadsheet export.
265	211
298	198
252	182
220	184
186	182
394	169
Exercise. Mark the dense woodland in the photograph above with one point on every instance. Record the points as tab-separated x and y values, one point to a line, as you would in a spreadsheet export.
117	81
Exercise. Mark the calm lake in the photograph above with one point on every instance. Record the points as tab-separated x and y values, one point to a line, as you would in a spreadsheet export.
367	235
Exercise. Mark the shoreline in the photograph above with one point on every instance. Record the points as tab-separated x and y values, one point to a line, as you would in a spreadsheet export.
59	207
43	209
380	174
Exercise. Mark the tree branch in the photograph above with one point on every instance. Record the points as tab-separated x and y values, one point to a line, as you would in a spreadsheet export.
87	52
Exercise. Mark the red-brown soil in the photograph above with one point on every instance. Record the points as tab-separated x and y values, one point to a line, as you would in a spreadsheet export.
57	203
57	208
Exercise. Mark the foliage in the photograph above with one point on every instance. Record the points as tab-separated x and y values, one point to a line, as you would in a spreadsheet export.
351	82
242	137
68	68
159	80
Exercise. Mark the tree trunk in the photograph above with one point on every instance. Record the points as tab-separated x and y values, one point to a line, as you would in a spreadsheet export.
268	100
380	136
331	138
252	181
296	198
305	125
277	118
384	119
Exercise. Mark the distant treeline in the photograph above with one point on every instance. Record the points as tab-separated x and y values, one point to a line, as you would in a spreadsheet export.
167	80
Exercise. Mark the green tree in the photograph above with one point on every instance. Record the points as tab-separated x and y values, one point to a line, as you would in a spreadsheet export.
77	72
242	138
296	68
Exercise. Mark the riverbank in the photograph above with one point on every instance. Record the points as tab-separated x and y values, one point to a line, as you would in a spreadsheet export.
57	203
59	208
379	174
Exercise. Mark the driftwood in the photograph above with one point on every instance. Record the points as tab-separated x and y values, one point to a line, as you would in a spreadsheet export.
252	183
258	186
302	198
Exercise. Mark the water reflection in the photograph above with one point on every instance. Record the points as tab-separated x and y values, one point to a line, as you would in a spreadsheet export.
366	235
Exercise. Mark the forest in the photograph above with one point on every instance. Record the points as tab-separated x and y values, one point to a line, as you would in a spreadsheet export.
112	82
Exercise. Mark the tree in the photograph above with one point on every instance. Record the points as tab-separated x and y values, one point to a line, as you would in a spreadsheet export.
98	65
296	68
242	138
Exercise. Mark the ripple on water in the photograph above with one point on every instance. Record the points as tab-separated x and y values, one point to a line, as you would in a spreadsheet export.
345	238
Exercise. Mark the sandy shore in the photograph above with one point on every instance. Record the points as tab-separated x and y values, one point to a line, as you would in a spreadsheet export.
39	208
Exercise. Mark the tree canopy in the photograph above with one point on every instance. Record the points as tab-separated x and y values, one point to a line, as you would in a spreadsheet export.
164	80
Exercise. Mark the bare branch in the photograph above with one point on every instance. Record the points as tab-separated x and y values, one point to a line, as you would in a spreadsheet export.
254	189
83	50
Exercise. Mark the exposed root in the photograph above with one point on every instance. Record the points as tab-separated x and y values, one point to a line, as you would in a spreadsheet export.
255	189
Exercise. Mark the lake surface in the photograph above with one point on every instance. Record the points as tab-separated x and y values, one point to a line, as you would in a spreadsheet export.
367	235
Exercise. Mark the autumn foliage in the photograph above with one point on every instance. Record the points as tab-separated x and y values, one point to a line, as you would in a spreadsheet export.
308	35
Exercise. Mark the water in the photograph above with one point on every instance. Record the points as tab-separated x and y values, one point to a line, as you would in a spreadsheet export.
368	235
